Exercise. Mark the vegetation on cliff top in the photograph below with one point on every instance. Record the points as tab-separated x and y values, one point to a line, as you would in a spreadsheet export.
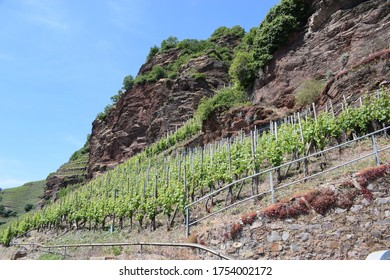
245	53
259	44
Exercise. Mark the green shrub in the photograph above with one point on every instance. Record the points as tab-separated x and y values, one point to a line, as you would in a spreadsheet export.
128	83
168	43
199	76
224	99
308	92
259	44
28	207
243	70
116	250
153	51
158	72
115	98
224	31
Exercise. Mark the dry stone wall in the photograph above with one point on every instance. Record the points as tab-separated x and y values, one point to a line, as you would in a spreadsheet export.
350	233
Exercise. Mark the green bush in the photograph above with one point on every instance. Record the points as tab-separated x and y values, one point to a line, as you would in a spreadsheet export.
153	51
260	43
6	213
308	92
28	207
224	31
158	72
224	100
128	83
168	43
243	70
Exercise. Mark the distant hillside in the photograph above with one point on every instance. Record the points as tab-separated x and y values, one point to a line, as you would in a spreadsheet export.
14	201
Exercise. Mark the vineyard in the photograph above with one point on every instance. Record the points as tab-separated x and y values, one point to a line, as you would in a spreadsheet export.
152	189
74	167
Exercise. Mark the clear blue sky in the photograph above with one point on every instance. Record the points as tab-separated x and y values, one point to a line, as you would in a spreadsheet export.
62	60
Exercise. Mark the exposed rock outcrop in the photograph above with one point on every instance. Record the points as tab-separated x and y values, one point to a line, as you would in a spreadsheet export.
150	110
338	36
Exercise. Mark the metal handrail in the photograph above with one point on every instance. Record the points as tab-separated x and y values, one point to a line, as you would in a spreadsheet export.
122	244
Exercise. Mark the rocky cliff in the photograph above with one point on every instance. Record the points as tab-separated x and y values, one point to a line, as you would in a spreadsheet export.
332	47
344	43
150	110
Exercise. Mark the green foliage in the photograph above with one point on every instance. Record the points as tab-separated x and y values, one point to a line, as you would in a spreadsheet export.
189	129
50	257
158	72
6	236
199	76
259	44
271	36
308	92
153	51
188	49
283	19
116	250
242	70
128	83
115	98
6	213
28	207
169	43
16	199
223	31
223	100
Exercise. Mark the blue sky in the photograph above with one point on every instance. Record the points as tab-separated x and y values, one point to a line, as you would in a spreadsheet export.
62	60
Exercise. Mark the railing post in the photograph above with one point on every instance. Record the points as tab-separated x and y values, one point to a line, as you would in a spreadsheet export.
187	222
271	185
375	150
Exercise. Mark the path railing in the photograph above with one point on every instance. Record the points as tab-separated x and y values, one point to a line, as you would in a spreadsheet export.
257	177
36	246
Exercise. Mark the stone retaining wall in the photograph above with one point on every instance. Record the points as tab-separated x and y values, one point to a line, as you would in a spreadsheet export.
340	234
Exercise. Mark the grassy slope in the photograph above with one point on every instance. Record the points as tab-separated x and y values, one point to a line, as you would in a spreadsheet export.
16	198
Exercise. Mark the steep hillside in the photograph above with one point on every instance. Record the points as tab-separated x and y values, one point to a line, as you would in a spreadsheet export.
70	174
303	53
341	53
336	40
17	201
333	46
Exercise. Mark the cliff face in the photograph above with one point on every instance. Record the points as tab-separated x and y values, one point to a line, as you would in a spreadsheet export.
336	39
344	43
148	111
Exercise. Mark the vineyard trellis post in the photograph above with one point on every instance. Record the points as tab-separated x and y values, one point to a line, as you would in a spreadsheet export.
375	150
187	221
271	186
